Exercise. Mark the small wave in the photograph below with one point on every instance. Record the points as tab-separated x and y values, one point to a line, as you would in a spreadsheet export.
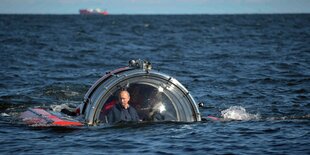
12	40
63	91
293	117
238	113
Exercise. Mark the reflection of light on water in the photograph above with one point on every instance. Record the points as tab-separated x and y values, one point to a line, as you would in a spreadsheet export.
238	113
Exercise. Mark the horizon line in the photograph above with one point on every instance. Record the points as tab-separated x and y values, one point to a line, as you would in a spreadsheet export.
110	14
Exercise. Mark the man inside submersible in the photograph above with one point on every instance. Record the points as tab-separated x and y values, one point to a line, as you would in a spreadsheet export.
122	111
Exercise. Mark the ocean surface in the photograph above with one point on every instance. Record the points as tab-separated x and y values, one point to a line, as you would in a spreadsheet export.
259	63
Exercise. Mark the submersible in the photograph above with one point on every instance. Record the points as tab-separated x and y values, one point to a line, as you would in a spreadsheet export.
157	97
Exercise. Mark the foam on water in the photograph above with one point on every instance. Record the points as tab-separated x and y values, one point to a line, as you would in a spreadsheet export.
238	113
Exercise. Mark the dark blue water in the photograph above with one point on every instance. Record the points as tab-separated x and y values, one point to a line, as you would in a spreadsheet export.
258	62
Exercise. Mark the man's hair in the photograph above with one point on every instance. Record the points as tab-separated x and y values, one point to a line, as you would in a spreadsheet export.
123	91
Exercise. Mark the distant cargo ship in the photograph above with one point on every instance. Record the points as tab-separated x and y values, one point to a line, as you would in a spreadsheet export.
93	12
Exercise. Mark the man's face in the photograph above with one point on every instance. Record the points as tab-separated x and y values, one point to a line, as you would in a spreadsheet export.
124	99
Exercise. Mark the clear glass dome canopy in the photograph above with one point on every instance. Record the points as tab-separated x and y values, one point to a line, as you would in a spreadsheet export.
155	96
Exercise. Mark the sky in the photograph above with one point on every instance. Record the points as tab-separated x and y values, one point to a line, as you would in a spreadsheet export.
155	6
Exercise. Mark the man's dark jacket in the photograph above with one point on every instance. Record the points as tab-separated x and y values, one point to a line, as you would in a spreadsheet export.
118	114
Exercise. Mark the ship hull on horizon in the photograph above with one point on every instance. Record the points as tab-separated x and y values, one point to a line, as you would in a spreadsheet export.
92	12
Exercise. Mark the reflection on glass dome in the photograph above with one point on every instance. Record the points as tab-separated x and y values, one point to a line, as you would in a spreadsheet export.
151	104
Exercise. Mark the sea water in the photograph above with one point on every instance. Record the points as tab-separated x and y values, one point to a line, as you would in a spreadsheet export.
252	71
